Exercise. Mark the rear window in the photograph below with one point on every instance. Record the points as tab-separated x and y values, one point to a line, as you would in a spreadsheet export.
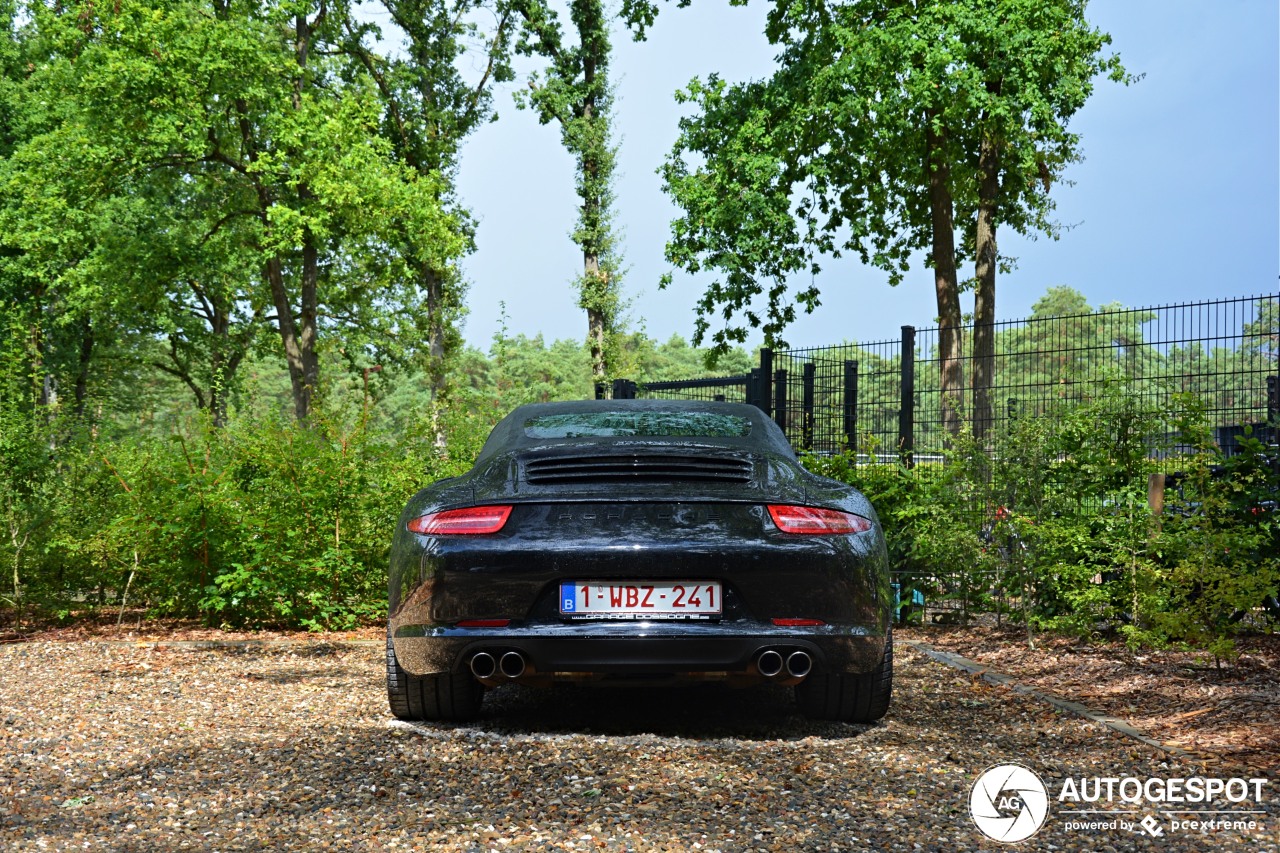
638	424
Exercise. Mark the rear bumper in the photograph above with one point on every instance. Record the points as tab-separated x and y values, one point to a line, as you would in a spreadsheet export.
639	648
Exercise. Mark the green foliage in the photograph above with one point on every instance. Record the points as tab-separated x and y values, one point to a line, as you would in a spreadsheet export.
193	172
521	369
1220	539
26	470
1050	523
919	510
262	521
873	137
575	92
265	522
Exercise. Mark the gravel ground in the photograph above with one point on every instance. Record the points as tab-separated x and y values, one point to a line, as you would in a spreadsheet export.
279	747
1225	715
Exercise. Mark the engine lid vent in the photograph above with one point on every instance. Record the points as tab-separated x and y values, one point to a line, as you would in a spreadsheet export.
636	468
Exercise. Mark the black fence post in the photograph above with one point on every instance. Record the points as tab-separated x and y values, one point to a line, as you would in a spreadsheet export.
624	389
599	390
851	407
806	406
907	414
753	389
1273	406
766	373
780	399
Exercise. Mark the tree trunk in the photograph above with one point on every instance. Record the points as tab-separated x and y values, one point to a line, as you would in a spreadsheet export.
596	320
595	284
82	368
307	334
946	287
47	395
597	174
984	305
220	363
433	283
298	334
18	544
290	339
225	360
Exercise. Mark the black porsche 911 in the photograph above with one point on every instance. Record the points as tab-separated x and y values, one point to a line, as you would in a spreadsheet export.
638	541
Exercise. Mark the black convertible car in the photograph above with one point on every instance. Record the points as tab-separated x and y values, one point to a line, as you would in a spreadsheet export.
638	541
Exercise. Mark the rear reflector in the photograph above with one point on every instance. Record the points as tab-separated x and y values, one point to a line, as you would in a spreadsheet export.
472	521
798	623
484	623
809	519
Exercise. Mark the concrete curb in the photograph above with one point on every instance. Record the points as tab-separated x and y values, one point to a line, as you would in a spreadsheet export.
987	674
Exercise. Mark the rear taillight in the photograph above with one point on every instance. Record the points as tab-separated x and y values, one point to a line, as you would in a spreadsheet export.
471	521
809	519
798	623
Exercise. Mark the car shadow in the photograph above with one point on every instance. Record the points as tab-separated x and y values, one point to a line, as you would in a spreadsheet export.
695	711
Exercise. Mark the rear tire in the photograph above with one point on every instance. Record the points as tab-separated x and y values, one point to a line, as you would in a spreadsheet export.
448	697
860	698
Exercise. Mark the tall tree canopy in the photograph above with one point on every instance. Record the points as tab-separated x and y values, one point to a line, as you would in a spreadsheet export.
889	129
429	108
194	169
575	92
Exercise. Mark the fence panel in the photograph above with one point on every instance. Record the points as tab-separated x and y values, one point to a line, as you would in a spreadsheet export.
883	399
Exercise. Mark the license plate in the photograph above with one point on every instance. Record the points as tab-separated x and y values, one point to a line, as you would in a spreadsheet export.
642	600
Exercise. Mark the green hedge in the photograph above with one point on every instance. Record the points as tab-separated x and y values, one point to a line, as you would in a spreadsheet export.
265	522
1049	524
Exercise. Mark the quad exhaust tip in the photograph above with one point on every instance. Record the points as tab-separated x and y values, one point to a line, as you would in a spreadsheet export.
512	665
799	664
769	663
483	665
789	666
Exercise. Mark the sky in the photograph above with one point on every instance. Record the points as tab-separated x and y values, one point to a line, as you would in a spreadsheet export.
1177	199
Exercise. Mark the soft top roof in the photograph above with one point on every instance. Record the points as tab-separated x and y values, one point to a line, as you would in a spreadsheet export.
511	433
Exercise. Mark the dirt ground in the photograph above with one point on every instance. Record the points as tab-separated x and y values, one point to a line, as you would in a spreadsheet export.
1227	715
142	746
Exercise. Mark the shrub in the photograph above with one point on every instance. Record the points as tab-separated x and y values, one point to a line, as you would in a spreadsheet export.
265	522
1048	522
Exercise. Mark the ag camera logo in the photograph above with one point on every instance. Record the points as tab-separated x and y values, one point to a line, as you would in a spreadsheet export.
1009	803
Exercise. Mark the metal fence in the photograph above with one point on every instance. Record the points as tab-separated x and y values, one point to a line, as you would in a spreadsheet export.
883	399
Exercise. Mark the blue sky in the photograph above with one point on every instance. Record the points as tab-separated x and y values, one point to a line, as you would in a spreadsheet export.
1178	198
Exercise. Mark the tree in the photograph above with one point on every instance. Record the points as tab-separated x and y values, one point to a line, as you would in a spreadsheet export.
244	150
647	360
1066	348
575	92
1030	69
430	108
1262	334
52	316
887	129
